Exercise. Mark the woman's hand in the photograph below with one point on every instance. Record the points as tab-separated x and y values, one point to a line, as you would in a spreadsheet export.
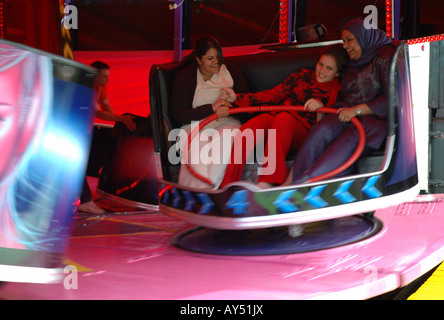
221	103
345	114
223	111
228	94
221	108
313	104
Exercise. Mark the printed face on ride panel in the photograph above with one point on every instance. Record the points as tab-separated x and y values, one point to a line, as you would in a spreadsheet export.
351	45
9	114
326	69
209	63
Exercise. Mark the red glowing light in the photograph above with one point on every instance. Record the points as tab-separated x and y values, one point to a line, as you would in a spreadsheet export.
2	20
283	21
438	37
388	18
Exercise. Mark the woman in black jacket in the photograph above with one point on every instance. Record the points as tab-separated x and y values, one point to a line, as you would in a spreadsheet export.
195	96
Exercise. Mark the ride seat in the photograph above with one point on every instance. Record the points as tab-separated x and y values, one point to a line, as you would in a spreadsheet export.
262	71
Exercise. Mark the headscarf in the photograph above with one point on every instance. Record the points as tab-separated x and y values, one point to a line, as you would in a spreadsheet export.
370	40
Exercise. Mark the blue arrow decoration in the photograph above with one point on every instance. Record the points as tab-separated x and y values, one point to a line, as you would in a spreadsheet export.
342	193
313	197
283	202
176	197
189	204
166	196
207	204
369	188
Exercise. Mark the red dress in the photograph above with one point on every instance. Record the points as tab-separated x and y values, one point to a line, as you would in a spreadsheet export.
291	127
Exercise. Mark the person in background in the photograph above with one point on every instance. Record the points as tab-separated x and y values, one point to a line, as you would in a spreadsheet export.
104	111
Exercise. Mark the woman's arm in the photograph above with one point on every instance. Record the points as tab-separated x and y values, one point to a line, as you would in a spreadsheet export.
379	105
274	96
184	86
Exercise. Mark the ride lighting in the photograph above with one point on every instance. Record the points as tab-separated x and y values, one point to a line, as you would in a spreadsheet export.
437	37
283	21
388	18
389	27
2	20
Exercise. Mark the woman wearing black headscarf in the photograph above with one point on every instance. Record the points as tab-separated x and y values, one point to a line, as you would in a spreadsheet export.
332	141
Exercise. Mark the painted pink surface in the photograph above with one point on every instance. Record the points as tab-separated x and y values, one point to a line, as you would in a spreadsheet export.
130	257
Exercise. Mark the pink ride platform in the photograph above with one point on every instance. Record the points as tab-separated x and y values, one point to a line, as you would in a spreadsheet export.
130	256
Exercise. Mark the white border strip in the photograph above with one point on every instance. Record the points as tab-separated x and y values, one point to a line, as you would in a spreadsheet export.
10	273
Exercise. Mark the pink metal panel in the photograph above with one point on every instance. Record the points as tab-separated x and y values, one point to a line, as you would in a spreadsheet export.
132	258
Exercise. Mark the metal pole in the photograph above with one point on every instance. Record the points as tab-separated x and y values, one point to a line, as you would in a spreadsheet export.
178	18
397	19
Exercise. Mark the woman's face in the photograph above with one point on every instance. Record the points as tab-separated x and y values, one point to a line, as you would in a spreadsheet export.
351	45
326	69
209	63
9	114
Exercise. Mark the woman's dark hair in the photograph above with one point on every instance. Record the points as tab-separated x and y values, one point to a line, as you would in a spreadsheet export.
203	44
339	54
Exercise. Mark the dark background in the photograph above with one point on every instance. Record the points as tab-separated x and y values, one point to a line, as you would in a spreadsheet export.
149	24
